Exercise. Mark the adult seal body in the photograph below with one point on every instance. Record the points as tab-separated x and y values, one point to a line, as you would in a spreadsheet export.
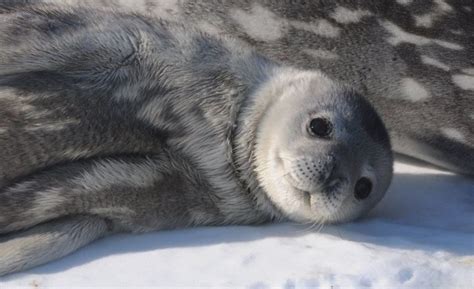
115	122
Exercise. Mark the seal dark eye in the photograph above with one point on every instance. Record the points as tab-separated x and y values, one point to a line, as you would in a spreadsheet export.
363	188
320	127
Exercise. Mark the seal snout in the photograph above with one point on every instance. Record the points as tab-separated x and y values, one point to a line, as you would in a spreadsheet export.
316	175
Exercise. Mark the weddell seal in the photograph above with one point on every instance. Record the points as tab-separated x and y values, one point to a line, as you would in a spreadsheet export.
413	60
118	122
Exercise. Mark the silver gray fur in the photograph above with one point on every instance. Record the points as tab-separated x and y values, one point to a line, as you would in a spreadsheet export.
436	56
119	122
413	59
379	47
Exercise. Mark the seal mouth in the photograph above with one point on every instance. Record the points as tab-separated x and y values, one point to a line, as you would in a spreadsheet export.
332	186
327	197
321	195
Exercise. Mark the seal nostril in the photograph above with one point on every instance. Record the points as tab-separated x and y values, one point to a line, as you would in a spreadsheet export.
363	188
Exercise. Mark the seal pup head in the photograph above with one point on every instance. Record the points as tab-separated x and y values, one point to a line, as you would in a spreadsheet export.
322	154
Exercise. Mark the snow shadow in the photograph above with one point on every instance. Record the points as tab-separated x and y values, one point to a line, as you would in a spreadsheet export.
430	212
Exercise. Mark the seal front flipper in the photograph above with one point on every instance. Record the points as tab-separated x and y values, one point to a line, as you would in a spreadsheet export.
48	241
136	193
60	210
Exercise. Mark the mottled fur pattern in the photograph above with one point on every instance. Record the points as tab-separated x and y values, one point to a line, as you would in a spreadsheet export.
413	59
94	123
120	122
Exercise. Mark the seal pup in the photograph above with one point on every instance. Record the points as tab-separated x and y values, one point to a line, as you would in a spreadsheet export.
119	122
412	59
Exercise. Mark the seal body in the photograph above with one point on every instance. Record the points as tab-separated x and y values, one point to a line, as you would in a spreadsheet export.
120	122
412	59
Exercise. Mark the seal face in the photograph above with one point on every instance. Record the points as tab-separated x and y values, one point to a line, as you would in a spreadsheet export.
322	153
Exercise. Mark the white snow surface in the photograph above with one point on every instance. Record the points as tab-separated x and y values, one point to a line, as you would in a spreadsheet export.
420	236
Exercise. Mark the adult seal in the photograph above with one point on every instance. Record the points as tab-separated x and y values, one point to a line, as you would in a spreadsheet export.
116	122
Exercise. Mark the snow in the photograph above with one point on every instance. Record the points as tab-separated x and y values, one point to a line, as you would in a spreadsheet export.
420	236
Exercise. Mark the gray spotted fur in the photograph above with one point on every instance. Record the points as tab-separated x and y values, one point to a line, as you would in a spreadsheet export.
439	128
432	120
118	122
